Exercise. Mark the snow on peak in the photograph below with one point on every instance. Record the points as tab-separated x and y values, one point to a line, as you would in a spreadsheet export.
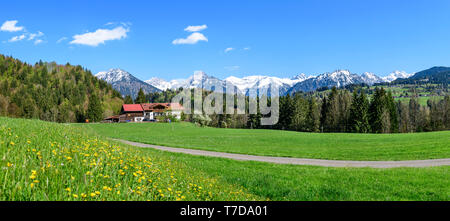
159	83
113	75
395	75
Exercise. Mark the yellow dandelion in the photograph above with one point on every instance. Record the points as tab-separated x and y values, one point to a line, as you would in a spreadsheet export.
68	189
75	196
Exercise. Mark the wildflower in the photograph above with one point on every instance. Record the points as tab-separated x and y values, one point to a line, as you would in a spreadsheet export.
12	143
75	196
32	185
68	189
83	195
93	195
9	164
97	192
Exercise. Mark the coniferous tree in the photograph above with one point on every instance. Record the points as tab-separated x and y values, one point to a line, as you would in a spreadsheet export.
128	100
359	116
95	111
393	112
376	110
286	110
313	116
140	99
299	113
330	113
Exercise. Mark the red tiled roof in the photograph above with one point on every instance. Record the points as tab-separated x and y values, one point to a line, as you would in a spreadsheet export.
151	106
132	108
168	106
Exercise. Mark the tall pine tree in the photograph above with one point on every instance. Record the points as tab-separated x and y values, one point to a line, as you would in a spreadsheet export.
140	99
359	116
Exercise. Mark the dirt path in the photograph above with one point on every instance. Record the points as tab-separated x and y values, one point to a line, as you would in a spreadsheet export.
298	161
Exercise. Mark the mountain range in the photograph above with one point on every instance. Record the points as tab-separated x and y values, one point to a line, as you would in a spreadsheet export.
127	84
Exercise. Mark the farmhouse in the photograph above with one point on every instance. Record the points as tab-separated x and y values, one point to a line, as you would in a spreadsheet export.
131	113
148	111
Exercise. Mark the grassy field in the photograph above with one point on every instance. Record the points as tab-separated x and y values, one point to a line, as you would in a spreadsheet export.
310	183
48	161
334	146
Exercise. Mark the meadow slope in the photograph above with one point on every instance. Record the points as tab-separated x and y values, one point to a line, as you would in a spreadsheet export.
49	161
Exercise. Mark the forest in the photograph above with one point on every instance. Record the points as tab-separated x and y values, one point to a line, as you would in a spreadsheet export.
51	92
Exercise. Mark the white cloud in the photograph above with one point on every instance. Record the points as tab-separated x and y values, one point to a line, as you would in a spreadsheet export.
61	40
247	48
196	28
228	50
100	36
191	39
35	35
10	26
38	41
17	38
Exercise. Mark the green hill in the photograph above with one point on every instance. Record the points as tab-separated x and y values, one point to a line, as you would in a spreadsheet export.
51	92
435	75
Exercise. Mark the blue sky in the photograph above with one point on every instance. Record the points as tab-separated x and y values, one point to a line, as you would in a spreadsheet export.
278	38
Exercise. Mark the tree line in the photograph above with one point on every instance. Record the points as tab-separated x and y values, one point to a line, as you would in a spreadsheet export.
342	111
338	111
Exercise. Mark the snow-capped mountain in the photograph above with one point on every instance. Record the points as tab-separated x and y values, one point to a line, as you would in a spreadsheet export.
199	80
370	78
258	83
125	83
395	75
159	83
337	78
244	85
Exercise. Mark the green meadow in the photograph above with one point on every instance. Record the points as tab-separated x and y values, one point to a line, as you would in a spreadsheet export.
49	161
333	146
